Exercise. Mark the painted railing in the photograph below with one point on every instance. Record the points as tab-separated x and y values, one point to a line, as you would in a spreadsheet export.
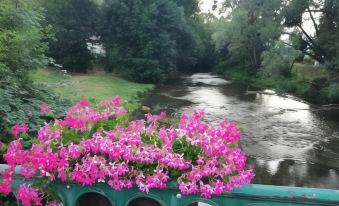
248	195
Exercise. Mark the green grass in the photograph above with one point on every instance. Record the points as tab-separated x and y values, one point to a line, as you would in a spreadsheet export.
92	86
308	72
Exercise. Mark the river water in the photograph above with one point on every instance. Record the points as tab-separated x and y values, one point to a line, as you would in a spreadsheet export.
288	142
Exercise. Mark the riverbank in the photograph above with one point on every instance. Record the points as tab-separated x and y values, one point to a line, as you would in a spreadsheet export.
307	82
92	86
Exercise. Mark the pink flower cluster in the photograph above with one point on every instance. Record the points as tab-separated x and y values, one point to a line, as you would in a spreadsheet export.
204	159
17	129
27	195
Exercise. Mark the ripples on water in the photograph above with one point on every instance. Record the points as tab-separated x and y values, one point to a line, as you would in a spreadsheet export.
287	143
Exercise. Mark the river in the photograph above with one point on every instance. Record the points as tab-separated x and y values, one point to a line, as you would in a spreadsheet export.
288	142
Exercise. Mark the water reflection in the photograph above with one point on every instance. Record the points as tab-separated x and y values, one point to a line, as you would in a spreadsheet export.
289	142
208	79
291	172
280	102
208	96
199	204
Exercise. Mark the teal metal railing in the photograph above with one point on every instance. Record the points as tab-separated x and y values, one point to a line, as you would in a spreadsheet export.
248	195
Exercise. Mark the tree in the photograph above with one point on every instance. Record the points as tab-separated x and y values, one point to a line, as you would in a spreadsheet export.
74	21
195	47
23	38
278	61
250	28
320	41
141	38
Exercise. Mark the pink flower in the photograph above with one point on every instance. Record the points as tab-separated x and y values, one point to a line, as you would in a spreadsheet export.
47	133
27	195
204	158
44	108
120	111
14	155
17	129
111	102
27	171
84	102
5	188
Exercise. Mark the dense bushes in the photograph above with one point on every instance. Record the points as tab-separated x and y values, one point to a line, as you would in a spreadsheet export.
20	102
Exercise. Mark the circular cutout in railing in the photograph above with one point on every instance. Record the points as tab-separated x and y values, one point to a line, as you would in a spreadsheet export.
93	199
144	201
199	204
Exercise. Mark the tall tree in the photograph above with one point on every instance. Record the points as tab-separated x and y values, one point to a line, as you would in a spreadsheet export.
141	38
251	27
314	26
74	21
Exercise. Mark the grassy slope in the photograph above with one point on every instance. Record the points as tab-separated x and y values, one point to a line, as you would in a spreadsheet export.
308	72
298	85
94	86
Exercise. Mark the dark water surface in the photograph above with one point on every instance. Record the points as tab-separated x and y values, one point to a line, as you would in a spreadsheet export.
288	142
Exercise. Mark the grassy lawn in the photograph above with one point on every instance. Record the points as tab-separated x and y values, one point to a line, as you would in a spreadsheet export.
92	86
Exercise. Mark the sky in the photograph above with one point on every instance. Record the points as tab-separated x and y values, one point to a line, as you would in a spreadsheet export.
206	6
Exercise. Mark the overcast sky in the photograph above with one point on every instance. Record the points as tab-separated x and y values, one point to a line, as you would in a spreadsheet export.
206	6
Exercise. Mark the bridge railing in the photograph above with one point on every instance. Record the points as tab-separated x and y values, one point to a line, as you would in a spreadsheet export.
248	195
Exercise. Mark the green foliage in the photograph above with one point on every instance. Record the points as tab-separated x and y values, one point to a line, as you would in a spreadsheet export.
73	22
20	103
280	84
277	61
7	200
248	37
321	44
293	12
333	92
196	51
23	42
308	72
22	37
247	31
149	41
190	152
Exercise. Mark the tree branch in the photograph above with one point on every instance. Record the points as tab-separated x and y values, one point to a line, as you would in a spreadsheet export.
314	24
288	33
303	51
306	34
290	45
311	55
317	10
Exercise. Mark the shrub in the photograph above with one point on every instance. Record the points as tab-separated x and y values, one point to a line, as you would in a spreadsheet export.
92	145
20	103
277	61
333	92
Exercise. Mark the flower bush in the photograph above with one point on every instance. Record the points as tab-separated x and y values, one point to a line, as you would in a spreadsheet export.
93	145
